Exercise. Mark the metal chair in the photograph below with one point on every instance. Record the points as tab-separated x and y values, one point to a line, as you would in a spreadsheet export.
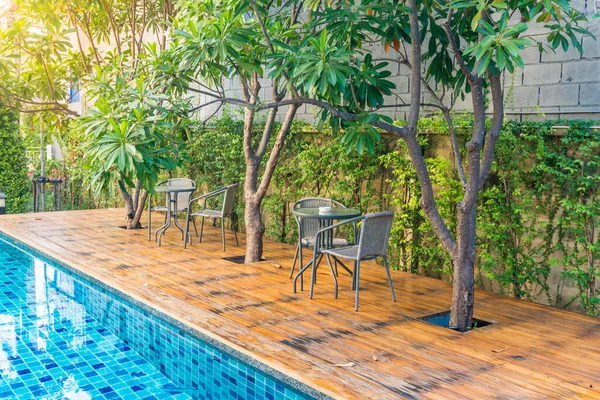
227	210
373	242
183	200
308	228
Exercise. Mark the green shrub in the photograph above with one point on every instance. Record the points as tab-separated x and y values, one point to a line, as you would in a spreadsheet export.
13	165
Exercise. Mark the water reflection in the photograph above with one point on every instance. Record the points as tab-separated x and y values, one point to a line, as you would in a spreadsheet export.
42	313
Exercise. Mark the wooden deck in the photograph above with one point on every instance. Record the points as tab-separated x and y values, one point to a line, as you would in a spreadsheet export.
531	351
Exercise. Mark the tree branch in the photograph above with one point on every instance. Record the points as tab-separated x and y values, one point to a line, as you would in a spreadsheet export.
494	133
270	44
347	116
455	149
454	47
262	147
415	83
427	200
276	151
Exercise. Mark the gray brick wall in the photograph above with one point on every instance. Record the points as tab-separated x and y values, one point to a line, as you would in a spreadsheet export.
551	85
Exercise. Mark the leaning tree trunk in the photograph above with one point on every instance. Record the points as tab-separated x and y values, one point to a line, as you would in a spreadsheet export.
463	290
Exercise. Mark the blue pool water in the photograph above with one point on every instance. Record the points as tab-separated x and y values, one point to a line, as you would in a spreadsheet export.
64	338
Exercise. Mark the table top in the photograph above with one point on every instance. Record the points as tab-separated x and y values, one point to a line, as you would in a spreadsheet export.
173	189
335	213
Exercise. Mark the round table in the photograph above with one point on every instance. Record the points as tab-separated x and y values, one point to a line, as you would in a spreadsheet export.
171	192
326	219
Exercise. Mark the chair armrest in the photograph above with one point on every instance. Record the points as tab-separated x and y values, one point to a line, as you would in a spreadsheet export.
207	196
331	227
344	222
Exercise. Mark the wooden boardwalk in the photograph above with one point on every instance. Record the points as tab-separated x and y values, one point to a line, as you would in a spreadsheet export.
381	352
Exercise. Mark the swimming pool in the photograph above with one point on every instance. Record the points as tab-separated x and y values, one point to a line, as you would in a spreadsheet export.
63	337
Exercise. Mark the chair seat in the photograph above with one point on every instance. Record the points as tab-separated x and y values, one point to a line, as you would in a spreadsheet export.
348	252
208	213
164	209
337	242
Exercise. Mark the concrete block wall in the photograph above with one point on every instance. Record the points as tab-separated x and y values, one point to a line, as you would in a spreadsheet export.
551	85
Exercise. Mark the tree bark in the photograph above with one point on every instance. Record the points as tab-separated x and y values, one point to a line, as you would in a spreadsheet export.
254	192
139	211
463	289
134	207
255	230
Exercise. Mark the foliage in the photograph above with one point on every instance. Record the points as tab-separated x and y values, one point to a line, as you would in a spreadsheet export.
569	168
512	256
126	138
524	223
13	168
40	61
413	245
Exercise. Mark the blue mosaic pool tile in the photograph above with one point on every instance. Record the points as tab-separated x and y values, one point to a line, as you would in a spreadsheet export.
61	337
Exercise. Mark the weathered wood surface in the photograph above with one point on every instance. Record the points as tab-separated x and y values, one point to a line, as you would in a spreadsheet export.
549	353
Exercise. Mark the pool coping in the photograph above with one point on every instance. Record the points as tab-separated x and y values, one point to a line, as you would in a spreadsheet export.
207	337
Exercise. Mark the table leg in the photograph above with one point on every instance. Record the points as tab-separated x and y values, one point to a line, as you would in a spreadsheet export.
176	219
161	228
343	265
299	274
168	224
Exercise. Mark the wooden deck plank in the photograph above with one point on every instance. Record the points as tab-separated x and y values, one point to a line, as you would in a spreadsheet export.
548	353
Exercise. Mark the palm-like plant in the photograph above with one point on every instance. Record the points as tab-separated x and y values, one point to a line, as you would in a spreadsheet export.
129	141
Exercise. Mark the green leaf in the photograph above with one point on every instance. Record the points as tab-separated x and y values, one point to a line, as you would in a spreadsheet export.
475	21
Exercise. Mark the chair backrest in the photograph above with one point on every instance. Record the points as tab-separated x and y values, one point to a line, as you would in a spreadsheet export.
375	234
183	198
229	199
308	227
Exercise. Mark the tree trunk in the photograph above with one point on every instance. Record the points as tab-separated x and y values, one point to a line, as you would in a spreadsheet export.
463	290
135	223
134	210
255	230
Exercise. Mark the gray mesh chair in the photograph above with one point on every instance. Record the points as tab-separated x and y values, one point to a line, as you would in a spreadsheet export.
183	199
227	210
372	243
308	228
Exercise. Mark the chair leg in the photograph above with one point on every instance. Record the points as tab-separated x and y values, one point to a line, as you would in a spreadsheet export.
294	262
187	231
177	223
319	259
149	218
353	287
237	243
387	269
357	273
313	276
223	232
333	274
301	266
201	230
194	221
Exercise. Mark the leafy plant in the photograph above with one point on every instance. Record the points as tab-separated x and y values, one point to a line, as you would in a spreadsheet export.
13	167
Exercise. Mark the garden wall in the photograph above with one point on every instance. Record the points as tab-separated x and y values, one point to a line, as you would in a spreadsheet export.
552	85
